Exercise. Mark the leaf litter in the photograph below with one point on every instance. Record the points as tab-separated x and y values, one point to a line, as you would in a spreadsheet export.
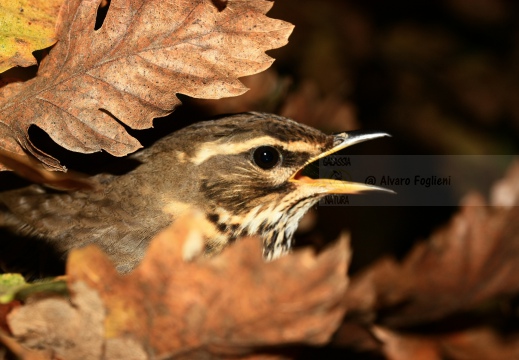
233	305
437	302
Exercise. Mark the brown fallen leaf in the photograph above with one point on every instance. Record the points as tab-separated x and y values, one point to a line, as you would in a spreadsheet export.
69	329
130	69
471	260
34	171
234	304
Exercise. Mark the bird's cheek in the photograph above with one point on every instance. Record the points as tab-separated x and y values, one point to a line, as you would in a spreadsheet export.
274	178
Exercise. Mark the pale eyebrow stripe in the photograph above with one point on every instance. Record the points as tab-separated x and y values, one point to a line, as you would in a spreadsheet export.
222	147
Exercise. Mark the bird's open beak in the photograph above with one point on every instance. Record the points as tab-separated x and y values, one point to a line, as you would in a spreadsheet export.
330	186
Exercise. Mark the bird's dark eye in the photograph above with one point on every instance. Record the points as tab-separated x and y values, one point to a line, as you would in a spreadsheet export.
266	157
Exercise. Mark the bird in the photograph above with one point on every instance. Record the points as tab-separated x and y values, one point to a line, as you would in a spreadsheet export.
242	172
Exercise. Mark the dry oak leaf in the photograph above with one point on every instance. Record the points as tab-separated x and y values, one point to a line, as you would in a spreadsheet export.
231	305
473	259
26	26
130	69
31	169
68	329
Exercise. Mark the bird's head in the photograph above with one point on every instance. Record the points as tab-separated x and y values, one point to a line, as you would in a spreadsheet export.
245	173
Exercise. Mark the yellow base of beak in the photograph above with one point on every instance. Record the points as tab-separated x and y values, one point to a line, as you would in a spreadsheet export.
330	186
